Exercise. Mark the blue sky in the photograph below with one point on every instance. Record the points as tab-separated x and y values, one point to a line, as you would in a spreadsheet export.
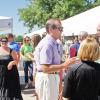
10	8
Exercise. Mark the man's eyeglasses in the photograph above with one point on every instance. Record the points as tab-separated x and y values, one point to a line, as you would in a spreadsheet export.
60	28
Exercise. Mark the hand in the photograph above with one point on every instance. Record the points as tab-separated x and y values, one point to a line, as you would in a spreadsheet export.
77	60
69	61
9	66
72	60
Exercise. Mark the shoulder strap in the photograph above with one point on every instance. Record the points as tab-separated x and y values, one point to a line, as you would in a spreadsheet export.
10	51
79	65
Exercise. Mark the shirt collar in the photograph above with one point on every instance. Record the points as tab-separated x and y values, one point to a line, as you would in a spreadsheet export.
51	39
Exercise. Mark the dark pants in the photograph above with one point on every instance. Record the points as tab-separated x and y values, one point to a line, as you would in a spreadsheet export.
28	65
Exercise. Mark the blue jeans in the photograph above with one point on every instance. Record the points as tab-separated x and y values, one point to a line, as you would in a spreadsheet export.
28	65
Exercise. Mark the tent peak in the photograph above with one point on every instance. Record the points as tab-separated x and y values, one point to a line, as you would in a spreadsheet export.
4	17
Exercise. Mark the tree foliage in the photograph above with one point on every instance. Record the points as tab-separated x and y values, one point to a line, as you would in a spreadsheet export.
39	11
19	38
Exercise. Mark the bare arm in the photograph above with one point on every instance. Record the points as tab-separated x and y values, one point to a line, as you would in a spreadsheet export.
14	56
14	62
21	54
18	56
30	55
56	68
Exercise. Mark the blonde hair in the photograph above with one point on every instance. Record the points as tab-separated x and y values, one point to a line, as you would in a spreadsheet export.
89	49
24	39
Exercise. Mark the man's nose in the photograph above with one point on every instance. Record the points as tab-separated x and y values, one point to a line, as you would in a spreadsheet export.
98	33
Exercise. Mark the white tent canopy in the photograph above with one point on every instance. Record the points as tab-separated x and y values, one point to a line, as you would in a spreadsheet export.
6	24
86	21
40	32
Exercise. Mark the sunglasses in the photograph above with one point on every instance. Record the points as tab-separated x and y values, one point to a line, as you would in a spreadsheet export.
27	40
3	40
60	28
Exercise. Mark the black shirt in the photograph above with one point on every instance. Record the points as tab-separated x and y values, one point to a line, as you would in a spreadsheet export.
82	81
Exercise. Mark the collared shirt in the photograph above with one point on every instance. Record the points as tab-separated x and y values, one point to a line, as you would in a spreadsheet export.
47	52
14	46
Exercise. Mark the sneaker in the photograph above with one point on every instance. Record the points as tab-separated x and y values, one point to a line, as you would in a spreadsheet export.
26	86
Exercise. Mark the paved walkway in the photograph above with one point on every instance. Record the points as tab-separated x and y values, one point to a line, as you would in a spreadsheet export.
28	94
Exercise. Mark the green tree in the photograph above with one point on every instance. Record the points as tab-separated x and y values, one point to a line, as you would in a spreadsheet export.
97	2
2	35
19	38
39	11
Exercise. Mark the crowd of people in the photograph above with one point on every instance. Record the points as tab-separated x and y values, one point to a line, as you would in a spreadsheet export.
43	65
